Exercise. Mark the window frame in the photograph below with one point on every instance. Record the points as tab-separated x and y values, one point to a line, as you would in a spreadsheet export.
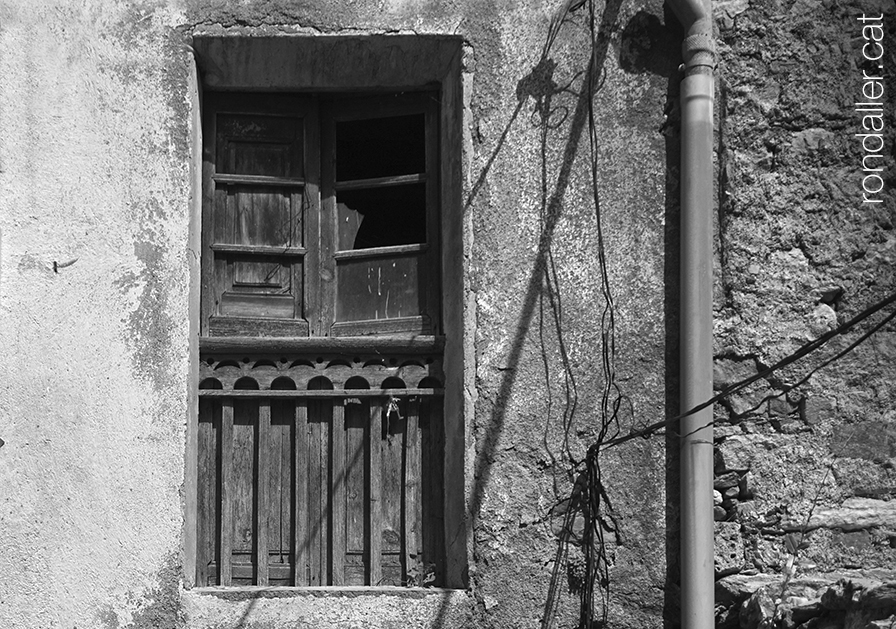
240	59
369	107
316	287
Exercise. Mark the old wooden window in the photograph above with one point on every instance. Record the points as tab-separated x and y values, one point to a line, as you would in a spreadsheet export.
321	218
320	430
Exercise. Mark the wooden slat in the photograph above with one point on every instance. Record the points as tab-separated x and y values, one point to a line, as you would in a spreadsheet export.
280	526
300	474
380	182
226	573
257	180
357	425
207	259
316	517
373	252
328	226
337	491
278	572
431	277
433	485
421	344
412	515
409	326
323	493
326	393
262	250
262	485
375	543
206	489
228	327
311	208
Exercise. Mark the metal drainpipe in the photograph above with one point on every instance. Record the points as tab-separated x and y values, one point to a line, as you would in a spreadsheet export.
697	570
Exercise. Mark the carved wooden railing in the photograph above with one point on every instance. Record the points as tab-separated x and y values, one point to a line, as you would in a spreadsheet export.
320	463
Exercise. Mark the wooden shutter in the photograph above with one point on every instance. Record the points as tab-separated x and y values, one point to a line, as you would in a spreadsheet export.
380	206
260	211
320	473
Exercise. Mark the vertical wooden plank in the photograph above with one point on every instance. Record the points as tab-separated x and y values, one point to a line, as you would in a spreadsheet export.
225	572
209	226
430	275
392	455
357	429
191	552
277	477
315	516
243	496
375	543
300	474
323	491
433	487
282	448
412	514
297	265
311	214
337	491
206	487
263	510
328	246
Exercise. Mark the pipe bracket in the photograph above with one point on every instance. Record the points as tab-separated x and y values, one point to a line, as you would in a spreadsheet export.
699	53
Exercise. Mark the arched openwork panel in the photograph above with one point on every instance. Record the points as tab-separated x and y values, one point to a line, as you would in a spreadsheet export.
429	383
283	383
393	383
320	383
246	383
357	382
264	372
338	371
412	372
302	372
342	451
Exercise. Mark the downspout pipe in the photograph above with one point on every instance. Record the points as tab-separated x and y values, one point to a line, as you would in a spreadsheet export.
696	442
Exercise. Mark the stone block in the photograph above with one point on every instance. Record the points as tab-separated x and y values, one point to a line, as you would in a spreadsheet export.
872	441
726	480
817	409
727	371
729	548
736	453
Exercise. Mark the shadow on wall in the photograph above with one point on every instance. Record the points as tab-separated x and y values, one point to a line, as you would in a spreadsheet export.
646	46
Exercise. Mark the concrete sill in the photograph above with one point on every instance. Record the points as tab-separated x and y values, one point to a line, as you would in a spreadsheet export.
246	593
327	608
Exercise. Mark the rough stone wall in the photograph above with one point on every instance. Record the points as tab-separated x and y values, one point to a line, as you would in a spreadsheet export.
799	254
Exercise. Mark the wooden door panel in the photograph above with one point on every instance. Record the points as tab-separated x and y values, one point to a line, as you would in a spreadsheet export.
260	216
380	288
258	144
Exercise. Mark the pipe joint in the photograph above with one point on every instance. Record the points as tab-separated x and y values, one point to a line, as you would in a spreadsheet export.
699	53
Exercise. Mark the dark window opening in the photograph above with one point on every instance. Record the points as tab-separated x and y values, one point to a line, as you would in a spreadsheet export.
382	217
380	147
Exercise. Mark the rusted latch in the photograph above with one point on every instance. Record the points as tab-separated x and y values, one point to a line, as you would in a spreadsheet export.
391	408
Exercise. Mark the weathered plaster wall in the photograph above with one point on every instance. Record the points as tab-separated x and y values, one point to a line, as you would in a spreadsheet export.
94	194
95	161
